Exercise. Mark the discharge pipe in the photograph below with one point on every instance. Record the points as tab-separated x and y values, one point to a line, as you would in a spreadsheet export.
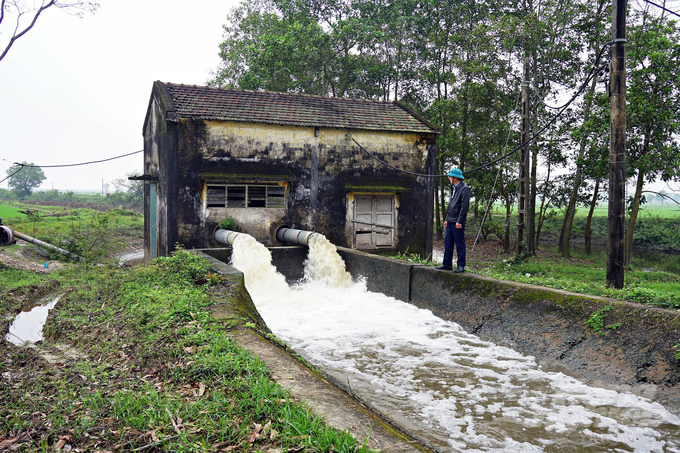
292	236
7	236
225	237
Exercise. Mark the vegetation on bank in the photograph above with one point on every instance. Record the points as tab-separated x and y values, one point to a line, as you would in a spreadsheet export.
128	198
148	366
88	233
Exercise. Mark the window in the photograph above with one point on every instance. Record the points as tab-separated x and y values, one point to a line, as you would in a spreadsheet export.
242	196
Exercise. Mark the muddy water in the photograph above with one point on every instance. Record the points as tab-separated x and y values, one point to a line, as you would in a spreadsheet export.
453	390
28	325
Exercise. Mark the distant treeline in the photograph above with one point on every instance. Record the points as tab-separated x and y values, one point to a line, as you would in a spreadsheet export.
127	200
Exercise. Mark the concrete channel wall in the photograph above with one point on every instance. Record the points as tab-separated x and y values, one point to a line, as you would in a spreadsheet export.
633	349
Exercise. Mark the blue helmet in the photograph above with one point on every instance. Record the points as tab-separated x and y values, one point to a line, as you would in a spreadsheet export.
456	173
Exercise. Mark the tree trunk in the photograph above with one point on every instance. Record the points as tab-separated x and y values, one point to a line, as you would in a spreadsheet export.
541	211
589	230
571	207
508	214
633	216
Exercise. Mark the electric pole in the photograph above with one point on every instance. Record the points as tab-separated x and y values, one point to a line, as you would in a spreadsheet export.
617	149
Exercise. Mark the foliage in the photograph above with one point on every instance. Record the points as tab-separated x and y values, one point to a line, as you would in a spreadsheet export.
228	224
586	276
131	190
24	177
91	235
596	320
414	258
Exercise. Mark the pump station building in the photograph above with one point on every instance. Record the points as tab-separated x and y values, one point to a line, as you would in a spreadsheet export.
268	160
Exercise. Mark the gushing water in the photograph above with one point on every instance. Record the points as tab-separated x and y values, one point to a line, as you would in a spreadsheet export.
450	388
324	264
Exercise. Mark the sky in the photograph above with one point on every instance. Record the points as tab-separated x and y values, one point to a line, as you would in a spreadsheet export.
76	90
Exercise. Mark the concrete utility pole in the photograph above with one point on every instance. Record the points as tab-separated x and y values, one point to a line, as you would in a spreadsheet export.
617	149
523	193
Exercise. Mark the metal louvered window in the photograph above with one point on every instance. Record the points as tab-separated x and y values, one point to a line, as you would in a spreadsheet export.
242	196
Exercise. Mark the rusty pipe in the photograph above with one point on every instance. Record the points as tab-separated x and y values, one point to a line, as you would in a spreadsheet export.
225	237
292	236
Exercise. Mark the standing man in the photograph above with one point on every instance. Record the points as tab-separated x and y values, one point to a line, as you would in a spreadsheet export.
454	225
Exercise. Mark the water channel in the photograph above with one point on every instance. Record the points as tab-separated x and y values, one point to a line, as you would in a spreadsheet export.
448	387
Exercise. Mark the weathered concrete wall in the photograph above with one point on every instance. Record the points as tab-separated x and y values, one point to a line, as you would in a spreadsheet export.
319	168
160	162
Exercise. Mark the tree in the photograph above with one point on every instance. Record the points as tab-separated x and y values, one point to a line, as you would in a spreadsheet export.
19	16
24	177
132	187
653	111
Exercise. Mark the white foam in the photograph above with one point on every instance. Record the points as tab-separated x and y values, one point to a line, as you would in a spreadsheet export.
450	387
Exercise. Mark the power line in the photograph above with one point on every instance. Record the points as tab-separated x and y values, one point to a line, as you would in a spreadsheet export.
20	168
82	163
662	7
21	165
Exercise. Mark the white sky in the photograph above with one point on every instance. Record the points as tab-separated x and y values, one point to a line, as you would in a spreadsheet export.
75	90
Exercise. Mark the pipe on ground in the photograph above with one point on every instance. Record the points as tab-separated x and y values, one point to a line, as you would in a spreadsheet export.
292	236
225	237
7	236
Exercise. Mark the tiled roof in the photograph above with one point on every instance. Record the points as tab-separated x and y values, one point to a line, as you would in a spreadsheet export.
197	102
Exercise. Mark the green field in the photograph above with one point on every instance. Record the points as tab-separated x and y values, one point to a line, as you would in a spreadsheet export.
651	210
9	212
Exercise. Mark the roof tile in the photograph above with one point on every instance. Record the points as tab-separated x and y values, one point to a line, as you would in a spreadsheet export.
292	109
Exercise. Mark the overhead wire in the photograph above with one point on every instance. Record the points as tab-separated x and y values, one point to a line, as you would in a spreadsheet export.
83	163
22	165
662	7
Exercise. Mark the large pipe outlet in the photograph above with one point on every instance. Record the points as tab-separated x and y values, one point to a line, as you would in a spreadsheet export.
225	237
6	235
292	236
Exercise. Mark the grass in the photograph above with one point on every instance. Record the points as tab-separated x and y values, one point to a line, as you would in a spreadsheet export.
154	369
586	276
88	233
10	212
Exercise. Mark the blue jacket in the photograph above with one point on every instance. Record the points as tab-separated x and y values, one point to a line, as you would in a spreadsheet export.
459	203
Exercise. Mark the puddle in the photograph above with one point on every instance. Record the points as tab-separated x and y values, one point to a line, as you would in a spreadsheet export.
27	327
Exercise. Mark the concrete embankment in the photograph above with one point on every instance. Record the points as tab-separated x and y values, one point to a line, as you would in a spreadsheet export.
636	353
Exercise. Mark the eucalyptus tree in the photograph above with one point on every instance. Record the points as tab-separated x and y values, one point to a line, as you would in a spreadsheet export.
547	34
653	111
594	29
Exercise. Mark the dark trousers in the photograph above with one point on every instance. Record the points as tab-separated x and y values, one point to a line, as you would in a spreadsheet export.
453	236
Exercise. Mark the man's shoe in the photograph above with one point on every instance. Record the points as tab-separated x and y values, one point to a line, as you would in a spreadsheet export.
444	268
459	270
